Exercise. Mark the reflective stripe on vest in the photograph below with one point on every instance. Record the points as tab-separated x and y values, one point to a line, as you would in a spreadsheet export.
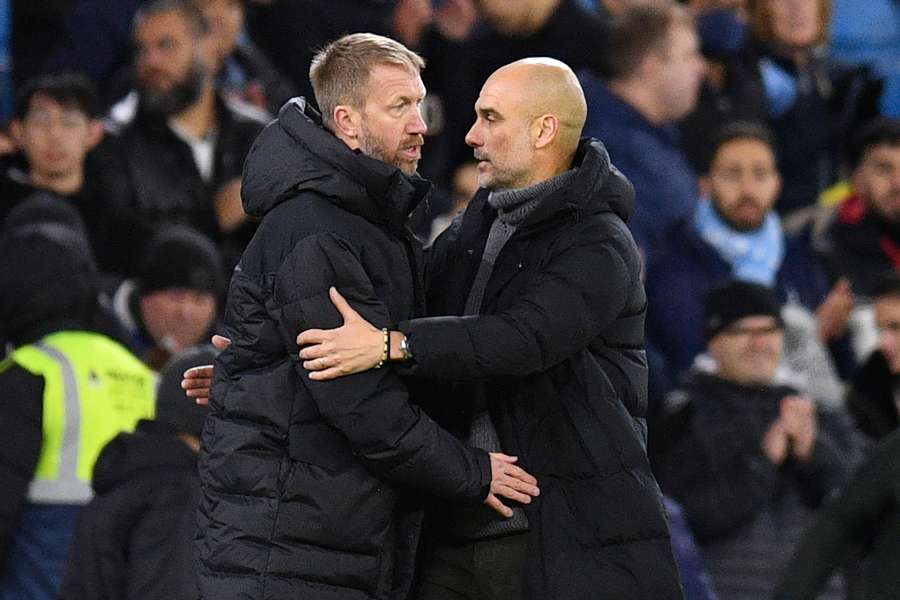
93	389
67	488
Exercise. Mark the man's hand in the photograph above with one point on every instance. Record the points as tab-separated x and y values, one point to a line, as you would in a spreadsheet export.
197	380
354	347
509	481
833	314
798	415
228	205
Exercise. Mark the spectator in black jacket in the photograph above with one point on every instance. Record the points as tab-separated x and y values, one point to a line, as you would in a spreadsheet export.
861	238
866	513
134	539
747	459
304	482
874	397
56	125
179	146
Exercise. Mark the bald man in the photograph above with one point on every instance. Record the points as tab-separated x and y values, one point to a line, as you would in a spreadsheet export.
543	357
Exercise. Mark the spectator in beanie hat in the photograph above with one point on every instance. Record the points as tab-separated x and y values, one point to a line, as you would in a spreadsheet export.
173	302
747	458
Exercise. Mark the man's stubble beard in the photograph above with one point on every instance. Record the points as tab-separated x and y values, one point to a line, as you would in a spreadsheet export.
373	147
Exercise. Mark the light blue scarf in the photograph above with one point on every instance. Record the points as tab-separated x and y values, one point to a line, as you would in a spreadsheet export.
753	255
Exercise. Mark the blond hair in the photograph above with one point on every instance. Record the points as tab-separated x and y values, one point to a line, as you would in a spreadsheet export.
339	73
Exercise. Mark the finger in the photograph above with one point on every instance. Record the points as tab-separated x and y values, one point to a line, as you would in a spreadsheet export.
314	351
343	306
202	401
197	393
220	342
501	508
326	374
512	494
520	486
312	336
193	384
318	364
519	474
202	371
505	457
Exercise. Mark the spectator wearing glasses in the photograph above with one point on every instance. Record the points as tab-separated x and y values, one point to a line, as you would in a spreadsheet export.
748	459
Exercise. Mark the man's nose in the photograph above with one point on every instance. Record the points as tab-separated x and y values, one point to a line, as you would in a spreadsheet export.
473	138
417	126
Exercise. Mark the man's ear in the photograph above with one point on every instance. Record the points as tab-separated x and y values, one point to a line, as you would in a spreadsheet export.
95	133
545	130
704	184
17	132
347	124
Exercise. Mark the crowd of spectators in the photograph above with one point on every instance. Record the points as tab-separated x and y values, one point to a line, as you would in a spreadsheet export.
762	138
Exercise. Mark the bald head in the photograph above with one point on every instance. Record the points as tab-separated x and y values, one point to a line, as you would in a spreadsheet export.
546	86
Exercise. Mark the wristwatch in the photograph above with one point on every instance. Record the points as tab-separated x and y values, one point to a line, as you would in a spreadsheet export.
405	349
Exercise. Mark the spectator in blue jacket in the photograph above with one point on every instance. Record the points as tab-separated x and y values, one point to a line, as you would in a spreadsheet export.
735	233
653	74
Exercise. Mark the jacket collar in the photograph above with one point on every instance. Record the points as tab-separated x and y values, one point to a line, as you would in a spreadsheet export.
596	187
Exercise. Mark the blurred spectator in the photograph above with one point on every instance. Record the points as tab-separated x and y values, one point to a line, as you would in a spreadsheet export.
64	392
653	69
734	233
180	146
747	459
134	539
874	397
56	125
869	33
783	75
860	239
173	303
244	73
865	514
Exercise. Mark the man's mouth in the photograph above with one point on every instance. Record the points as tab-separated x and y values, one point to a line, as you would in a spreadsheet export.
413	152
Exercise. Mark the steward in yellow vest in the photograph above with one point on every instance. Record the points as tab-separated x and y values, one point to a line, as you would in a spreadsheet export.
64	393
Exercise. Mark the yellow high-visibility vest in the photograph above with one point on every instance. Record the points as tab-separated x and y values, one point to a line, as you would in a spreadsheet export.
93	389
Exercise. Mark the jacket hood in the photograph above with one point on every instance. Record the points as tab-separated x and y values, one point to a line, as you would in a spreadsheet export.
295	153
599	186
153	447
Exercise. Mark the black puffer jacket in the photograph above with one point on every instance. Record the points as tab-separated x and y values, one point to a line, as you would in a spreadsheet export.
134	539
296	500
561	338
866	513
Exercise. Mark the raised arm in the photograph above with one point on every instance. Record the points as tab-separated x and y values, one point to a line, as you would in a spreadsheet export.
581	289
